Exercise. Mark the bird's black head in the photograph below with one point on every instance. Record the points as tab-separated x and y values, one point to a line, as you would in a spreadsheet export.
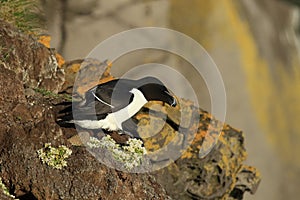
154	90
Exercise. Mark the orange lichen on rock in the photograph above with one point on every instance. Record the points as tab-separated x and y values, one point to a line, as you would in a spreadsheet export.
60	60
153	130
198	128
92	72
106	76
45	40
82	75
209	151
158	132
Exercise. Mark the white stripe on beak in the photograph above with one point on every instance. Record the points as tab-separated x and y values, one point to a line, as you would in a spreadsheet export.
174	100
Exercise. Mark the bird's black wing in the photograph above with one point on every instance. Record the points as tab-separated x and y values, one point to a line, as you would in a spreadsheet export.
105	98
99	101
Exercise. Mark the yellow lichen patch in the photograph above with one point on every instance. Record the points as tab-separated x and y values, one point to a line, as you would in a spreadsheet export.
150	126
45	40
157	106
74	67
156	134
207	133
191	151
82	75
92	72
106	76
106	73
60	60
142	115
182	114
160	140
81	90
252	169
188	153
106	79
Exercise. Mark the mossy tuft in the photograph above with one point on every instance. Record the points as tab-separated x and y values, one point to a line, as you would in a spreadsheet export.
47	93
24	14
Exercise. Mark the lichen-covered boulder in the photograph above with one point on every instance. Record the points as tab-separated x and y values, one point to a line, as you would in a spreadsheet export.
219	174
198	156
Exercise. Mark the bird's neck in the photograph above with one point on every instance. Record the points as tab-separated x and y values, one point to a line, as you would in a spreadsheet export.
137	103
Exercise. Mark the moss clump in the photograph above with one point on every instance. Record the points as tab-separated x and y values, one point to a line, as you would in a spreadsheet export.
131	155
23	14
50	94
54	157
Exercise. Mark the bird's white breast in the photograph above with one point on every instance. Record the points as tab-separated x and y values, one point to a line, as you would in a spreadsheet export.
113	121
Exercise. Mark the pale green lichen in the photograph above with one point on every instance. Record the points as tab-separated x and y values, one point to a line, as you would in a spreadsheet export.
131	154
5	190
105	142
54	157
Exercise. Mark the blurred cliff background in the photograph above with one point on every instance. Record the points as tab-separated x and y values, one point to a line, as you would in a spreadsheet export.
255	44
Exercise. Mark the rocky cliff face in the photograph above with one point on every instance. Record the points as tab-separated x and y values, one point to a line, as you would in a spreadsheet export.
27	122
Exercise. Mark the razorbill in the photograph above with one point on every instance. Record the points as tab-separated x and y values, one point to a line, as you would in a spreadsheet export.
109	105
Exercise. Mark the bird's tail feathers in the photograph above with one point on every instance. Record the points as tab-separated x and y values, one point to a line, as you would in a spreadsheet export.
65	115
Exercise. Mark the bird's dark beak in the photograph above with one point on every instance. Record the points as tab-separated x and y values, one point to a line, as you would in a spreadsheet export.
172	102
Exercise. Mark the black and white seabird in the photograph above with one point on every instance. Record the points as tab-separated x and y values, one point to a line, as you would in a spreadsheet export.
107	106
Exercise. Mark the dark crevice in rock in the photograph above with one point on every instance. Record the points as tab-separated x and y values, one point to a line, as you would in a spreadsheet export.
28	196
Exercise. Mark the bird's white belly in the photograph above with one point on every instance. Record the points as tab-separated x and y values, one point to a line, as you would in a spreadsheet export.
109	123
113	121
